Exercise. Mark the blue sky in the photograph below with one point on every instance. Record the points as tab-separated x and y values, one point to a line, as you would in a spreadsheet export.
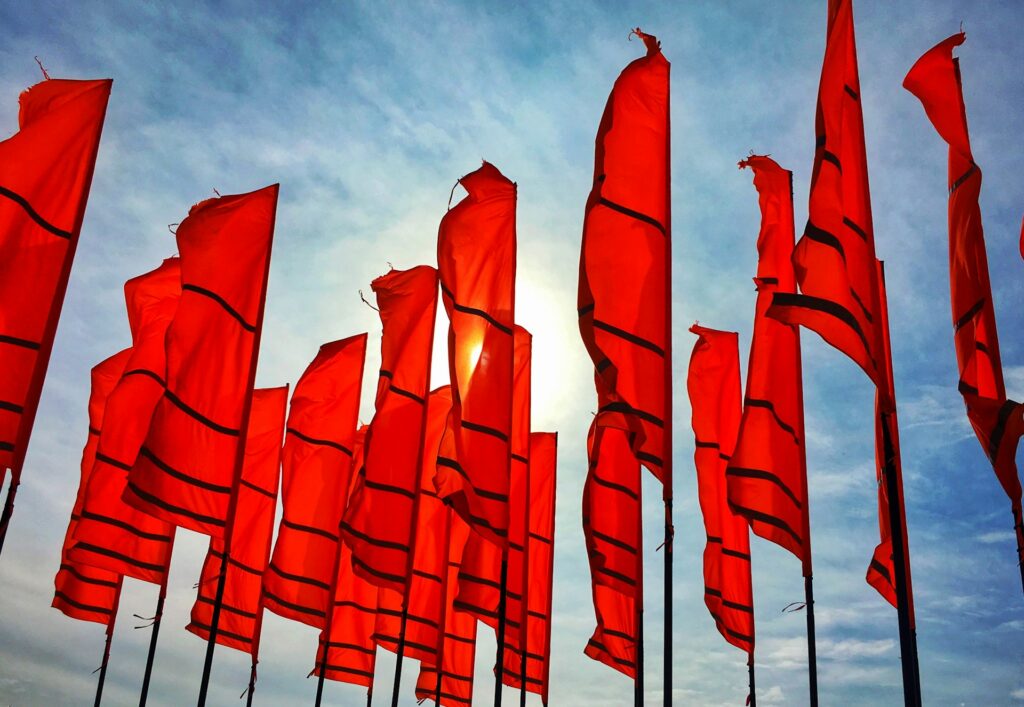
366	113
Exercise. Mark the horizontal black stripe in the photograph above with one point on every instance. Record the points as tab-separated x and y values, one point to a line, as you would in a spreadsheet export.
601	647
72	570
222	302
729	604
427	575
221	632
745	473
615	487
387	544
860	303
258	489
483	522
117	522
309	529
969	314
713	539
388	488
761	517
93	431
227	607
633	214
33	214
629	336
540	538
236	563
962	178
181	476
602	365
170	507
617	575
705	445
299	578
819	141
881	570
833	158
822	236
323	442
11	407
113	462
6	446
621	544
468	608
652	458
484	429
479	580
291	605
736	553
344	669
358	607
475	312
849	223
826	306
381	638
79	605
195	414
491	495
520	458
966	388
853	94
732	632
585	309
15	341
147	373
627	409
996	438
350	646
405	393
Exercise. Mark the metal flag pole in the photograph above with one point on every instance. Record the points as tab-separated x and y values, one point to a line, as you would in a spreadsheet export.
152	642
106	644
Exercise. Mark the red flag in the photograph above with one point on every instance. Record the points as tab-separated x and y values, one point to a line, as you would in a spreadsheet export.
713	383
540	555
997	422
81	591
624	266
611	525
835	258
111	534
480	569
378	523
430	556
186	468
767	476
251	530
476	256
45	174
351	650
457	646
318	474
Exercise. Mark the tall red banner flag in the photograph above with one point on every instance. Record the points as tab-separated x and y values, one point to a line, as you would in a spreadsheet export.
186	468
713	383
111	534
535	630
767	475
318	450
476	260
45	173
81	591
379	521
997	422
624	307
242	611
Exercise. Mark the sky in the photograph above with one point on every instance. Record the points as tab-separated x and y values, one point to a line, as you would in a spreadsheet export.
367	113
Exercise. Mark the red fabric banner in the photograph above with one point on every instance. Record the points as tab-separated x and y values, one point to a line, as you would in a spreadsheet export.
186	467
540	556
80	591
111	534
430	556
623	283
476	256
767	476
457	646
480	570
378	523
713	383
45	173
318	473
251	530
997	422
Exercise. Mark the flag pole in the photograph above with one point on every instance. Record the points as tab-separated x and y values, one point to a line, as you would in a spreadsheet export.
752	698
152	641
5	518
328	620
442	628
812	652
638	599
239	461
547	635
499	668
524	590
1018	526
666	458
252	684
106	644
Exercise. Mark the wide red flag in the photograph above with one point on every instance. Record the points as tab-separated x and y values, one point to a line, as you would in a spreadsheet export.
348	636
997	422
625	261
714	386
81	591
378	523
480	569
45	173
540	555
111	534
767	475
250	533
476	257
450	682
430	556
318	474
187	466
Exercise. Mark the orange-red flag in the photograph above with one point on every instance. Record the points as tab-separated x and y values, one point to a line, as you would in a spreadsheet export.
250	533
111	534
81	591
997	422
476	257
535	629
186	468
318	471
378	523
714	386
767	476
45	173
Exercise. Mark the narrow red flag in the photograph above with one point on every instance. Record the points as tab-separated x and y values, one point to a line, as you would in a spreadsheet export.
111	534
378	523
348	636
250	533
430	556
714	386
452	679
480	569
45	173
540	555
186	468
476	256
767	475
997	421
83	592
318	472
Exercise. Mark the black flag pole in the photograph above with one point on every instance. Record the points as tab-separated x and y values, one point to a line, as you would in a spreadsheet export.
499	668
106	644
1018	527
328	620
666	457
752	698
152	642
638	681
